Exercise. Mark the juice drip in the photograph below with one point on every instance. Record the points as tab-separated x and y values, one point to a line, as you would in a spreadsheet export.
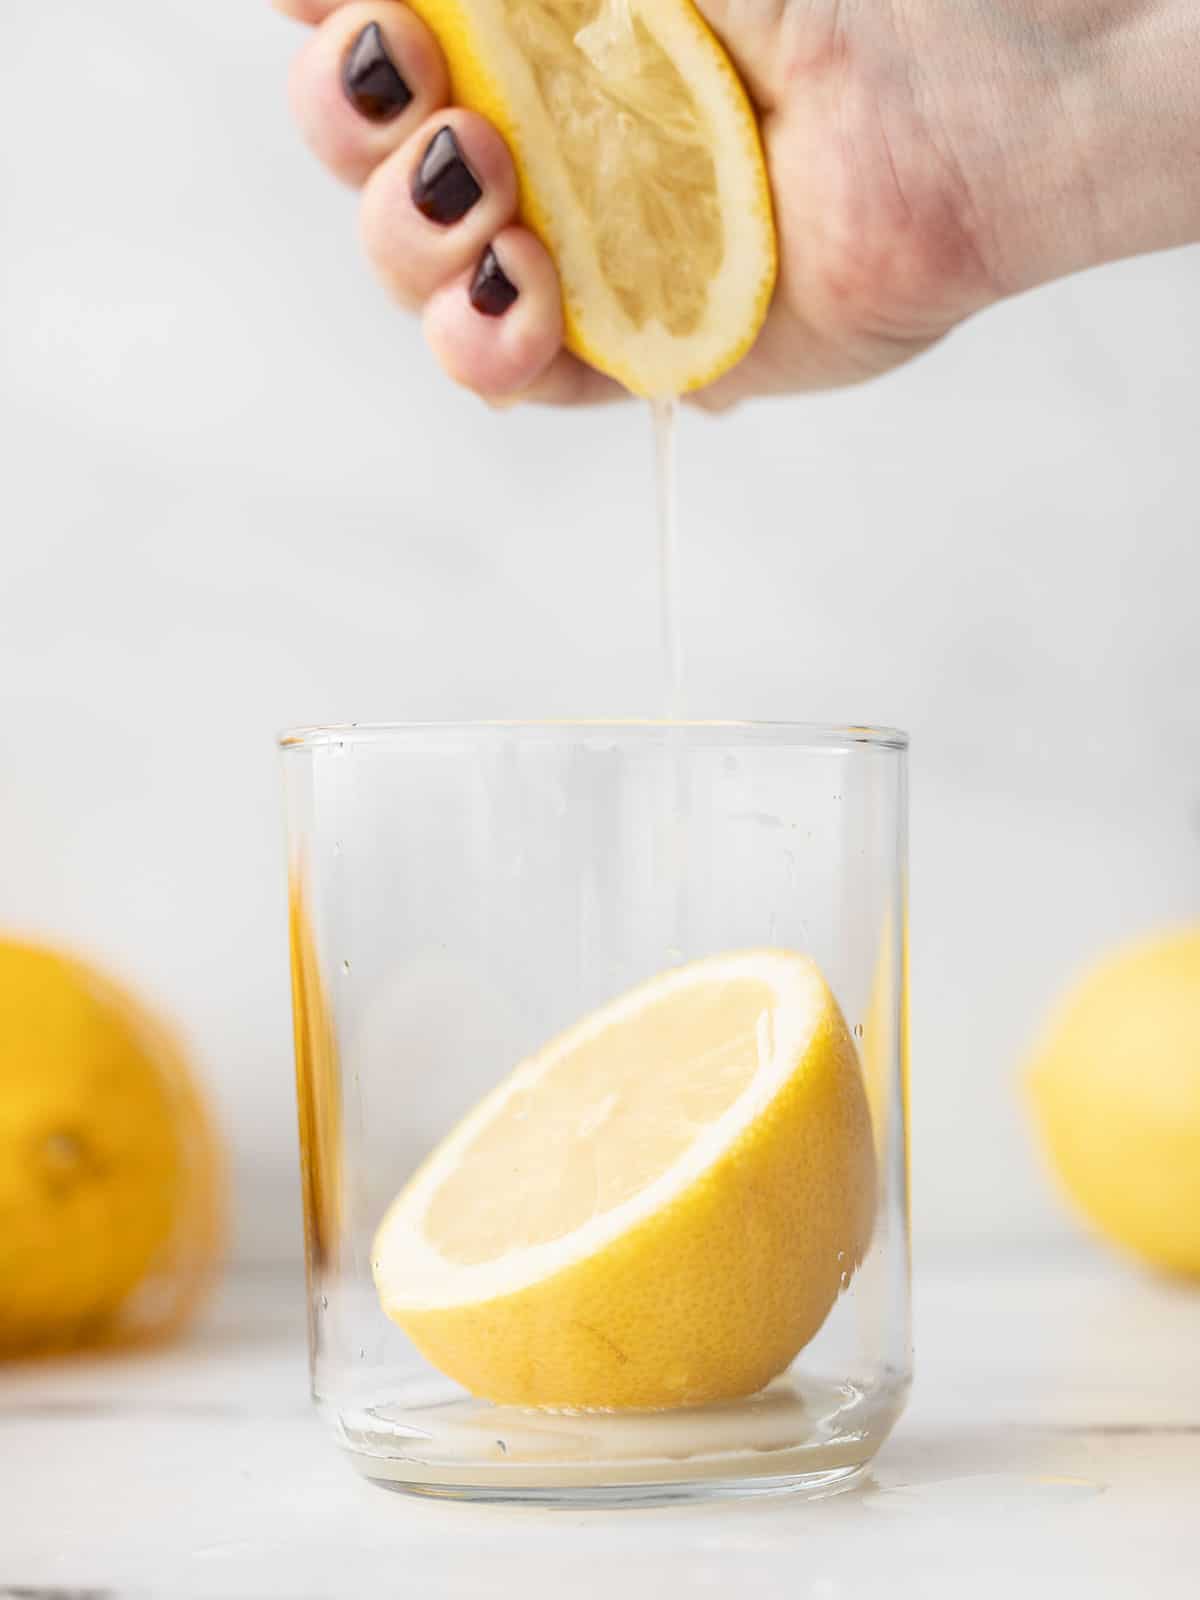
664	413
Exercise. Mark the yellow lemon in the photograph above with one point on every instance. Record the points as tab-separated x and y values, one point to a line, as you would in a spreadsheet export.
1115	1088
640	167
110	1200
657	1209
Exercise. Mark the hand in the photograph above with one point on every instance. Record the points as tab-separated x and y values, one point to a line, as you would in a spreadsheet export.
927	157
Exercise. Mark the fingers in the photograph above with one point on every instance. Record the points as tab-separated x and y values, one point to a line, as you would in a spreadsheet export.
498	329
370	92
496	348
363	82
439	226
430	210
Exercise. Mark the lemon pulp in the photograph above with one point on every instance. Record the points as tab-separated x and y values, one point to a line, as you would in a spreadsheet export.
589	1138
634	143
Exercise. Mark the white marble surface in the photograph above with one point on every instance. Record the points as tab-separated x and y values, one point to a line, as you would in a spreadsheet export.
1052	1447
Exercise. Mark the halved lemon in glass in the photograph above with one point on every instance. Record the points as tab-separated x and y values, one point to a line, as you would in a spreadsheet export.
657	1209
640	167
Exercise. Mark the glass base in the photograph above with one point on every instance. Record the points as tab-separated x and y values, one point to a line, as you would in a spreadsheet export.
799	1436
804	1485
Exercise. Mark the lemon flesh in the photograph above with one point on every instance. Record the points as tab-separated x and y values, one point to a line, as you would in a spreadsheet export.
1115	1089
658	1209
639	165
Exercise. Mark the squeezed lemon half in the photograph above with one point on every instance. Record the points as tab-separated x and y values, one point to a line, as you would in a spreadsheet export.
657	1209
640	167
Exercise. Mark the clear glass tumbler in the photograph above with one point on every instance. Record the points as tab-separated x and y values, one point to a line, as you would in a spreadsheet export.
670	1258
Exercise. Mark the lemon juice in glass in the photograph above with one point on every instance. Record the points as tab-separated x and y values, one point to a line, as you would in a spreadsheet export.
601	1059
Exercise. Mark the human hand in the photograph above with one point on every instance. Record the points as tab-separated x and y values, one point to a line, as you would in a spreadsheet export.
927	157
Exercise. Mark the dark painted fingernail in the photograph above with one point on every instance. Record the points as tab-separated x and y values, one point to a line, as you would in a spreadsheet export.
492	292
373	86
444	189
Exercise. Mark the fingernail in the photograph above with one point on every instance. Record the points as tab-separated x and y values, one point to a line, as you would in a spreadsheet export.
373	86
444	189
491	291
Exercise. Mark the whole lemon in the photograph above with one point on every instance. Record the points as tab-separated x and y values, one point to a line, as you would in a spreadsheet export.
110	1178
1115	1087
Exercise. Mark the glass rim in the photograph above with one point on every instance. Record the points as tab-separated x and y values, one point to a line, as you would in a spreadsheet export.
813	735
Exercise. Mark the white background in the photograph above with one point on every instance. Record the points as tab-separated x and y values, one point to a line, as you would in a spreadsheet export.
234	494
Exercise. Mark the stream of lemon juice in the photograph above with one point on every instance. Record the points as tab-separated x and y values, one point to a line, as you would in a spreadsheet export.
664	418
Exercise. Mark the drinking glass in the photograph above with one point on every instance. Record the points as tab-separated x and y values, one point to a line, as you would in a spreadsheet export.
461	894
